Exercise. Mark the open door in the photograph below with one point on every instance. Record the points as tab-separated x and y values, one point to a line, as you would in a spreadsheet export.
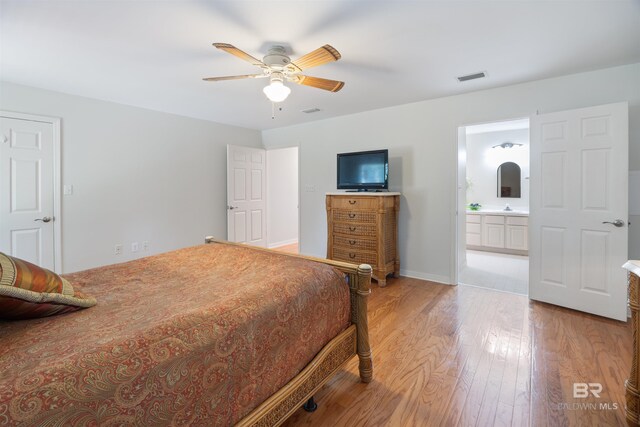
579	208
246	195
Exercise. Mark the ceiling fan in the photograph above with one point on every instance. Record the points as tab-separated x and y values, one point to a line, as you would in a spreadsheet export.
278	67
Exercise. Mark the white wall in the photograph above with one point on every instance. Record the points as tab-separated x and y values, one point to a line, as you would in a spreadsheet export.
137	175
483	162
422	142
282	196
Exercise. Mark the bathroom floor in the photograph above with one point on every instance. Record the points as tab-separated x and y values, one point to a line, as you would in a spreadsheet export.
504	272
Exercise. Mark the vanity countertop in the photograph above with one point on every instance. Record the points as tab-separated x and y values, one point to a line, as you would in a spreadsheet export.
498	212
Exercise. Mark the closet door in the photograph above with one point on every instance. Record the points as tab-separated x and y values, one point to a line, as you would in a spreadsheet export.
246	195
28	170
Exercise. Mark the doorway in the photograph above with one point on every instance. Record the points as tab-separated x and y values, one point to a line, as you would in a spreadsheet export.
576	235
282	199
494	206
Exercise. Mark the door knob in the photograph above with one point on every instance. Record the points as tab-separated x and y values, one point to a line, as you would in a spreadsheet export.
45	219
232	207
617	222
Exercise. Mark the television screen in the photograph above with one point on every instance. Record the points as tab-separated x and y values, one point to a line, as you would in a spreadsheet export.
365	170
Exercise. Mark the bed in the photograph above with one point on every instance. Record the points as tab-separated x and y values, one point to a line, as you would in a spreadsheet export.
216	334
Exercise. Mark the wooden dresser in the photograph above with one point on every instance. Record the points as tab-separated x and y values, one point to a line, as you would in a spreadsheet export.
362	228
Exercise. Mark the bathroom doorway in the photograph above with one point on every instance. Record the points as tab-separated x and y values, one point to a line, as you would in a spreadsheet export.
493	206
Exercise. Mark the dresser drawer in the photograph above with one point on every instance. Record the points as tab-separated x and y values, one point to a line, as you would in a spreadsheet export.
354	256
355	243
354	216
368	230
494	219
475	219
354	202
517	220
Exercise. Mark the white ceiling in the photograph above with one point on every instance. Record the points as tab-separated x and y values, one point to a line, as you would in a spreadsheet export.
153	54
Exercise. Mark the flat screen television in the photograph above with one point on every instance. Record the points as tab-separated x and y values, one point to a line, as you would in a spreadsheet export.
364	170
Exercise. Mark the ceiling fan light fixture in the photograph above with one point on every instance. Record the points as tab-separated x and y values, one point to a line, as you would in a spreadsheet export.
276	91
278	66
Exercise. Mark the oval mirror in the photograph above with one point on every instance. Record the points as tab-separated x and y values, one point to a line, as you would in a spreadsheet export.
509	180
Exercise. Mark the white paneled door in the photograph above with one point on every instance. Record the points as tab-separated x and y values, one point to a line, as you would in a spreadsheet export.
579	208
27	185
246	195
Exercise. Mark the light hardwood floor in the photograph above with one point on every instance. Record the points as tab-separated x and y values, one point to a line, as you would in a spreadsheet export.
446	355
292	248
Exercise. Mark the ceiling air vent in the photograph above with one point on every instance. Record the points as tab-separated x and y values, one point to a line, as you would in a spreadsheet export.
311	110
471	77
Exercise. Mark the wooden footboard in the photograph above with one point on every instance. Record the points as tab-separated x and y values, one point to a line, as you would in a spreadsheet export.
354	340
632	385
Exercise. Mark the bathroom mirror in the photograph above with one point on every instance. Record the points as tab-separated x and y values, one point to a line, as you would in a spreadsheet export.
509	180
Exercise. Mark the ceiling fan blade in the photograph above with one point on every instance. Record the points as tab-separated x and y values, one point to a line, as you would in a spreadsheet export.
319	56
325	84
246	76
240	54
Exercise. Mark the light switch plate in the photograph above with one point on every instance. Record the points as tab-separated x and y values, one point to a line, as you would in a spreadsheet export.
67	190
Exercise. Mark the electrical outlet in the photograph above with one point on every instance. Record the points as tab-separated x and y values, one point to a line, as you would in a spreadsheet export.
309	188
145	246
118	249
135	247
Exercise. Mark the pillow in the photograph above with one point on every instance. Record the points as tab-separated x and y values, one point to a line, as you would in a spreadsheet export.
28	291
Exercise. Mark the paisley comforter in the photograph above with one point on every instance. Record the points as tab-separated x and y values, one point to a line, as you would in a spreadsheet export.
198	336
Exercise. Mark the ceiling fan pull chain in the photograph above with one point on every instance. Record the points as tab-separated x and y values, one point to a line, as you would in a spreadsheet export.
273	111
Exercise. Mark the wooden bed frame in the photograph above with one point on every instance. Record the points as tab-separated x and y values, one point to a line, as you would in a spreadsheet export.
632	385
354	340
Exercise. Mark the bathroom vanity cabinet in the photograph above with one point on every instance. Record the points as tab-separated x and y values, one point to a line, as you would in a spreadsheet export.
498	231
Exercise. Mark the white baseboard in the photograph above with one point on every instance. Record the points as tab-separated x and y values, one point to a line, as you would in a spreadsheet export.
282	243
426	276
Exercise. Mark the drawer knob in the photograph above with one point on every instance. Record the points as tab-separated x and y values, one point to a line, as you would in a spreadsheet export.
352	242
352	215
352	202
352	228
352	255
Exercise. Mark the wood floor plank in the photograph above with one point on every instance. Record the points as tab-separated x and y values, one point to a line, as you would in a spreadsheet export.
522	402
459	355
458	396
441	389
